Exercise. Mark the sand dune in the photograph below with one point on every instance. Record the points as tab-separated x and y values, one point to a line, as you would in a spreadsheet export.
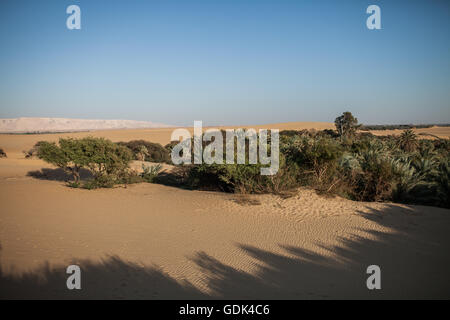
153	241
18	143
65	124
426	133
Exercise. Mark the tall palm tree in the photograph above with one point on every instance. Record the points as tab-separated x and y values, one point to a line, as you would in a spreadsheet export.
408	141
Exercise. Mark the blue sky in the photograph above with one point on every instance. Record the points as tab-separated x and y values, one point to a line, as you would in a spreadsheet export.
226	62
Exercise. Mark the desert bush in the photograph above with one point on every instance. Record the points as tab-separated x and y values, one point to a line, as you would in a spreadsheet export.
149	173
442	146
303	161
33	152
61	157
241	178
316	160
363	167
293	133
106	160
2	153
380	170
130	177
371	168
100	181
147	151
170	146
373	178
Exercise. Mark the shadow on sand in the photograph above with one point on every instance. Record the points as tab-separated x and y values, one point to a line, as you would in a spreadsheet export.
413	265
58	174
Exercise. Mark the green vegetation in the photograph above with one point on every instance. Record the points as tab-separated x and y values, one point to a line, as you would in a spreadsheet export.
346	124
107	161
357	166
149	173
354	165
147	151
408	141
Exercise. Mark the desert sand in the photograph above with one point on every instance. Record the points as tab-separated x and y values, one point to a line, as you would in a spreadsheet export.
149	241
425	133
17	125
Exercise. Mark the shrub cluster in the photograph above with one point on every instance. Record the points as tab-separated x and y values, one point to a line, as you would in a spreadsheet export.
358	166
149	173
108	162
363	167
147	151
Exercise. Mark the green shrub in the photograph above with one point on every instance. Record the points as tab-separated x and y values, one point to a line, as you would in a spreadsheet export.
34	151
241	178
170	146
373	179
149	173
363	167
107	161
359	166
293	133
316	158
101	181
147	151
130	177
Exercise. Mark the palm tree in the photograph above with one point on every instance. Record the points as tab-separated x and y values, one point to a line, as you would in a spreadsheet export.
408	141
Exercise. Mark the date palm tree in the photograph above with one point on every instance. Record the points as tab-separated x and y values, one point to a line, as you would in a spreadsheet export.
408	141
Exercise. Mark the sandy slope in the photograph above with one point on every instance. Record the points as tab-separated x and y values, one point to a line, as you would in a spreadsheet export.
153	241
441	132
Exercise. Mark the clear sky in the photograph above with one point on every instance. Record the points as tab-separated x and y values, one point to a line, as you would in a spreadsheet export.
226	62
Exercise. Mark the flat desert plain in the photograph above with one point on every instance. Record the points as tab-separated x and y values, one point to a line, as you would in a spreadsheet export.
149	241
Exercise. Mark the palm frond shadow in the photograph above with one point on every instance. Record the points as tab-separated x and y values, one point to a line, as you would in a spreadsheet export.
413	266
